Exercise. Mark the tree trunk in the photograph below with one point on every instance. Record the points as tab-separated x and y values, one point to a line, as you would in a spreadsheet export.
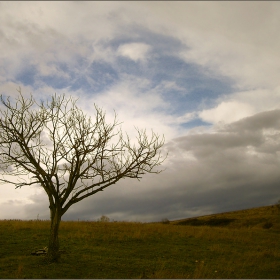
53	249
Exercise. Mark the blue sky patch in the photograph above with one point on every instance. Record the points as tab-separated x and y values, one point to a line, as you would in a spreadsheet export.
27	75
195	123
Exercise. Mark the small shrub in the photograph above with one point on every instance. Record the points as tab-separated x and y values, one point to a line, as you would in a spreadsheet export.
191	222
165	221
219	222
267	225
210	222
104	219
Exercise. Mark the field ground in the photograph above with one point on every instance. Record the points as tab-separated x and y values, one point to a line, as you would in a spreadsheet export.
241	244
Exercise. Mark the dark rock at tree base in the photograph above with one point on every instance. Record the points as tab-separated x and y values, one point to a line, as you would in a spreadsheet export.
44	251
40	252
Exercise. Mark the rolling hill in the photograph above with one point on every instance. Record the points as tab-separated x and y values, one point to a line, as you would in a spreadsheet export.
261	217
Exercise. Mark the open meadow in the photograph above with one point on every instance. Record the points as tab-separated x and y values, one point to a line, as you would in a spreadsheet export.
241	244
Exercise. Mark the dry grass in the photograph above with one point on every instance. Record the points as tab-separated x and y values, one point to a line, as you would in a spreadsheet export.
147	250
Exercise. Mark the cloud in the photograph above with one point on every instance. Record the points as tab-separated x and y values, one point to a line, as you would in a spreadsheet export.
134	51
227	112
242	49
136	103
220	36
237	105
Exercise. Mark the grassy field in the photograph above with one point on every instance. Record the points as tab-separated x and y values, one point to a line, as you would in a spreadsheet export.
241	244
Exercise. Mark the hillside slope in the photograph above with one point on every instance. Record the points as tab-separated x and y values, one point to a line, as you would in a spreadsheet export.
261	217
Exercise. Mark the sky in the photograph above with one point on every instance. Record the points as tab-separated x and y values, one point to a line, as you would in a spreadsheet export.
206	75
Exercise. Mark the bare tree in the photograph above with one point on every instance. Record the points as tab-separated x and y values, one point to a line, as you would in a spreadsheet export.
54	145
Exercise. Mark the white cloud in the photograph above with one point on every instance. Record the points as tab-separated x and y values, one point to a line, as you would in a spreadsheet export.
134	51
135	104
262	99
221	37
217	35
227	112
241	104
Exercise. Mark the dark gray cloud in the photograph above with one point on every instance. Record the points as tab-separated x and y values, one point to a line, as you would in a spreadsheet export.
235	167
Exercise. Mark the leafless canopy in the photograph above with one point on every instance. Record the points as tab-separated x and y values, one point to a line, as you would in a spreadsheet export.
54	144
